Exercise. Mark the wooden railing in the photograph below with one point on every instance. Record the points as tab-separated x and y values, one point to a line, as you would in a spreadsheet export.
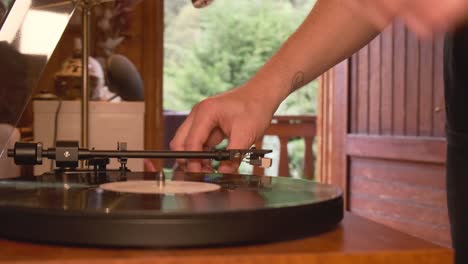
284	127
287	128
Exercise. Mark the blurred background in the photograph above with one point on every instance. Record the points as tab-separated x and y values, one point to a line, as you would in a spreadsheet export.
151	61
211	50
379	115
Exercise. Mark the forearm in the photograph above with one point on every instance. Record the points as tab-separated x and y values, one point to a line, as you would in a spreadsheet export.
329	34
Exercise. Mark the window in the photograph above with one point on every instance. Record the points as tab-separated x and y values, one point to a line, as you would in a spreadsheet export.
211	50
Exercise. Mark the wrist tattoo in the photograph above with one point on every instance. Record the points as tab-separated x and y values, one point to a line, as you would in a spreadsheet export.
297	81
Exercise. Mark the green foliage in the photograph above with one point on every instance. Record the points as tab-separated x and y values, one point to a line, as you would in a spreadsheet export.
212	50
172	9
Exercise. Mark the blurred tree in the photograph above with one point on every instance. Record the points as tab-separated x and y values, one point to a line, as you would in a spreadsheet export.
299	3
214	49
211	50
172	9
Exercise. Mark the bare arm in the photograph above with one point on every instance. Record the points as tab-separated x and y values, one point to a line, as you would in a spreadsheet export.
424	17
329	34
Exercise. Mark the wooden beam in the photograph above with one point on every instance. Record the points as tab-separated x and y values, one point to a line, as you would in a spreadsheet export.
152	72
406	148
339	127
322	136
291	130
332	127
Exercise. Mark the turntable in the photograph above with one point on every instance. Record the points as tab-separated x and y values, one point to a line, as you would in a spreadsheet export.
94	205
101	207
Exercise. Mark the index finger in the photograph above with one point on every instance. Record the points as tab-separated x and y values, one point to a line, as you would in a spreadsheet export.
178	141
202	126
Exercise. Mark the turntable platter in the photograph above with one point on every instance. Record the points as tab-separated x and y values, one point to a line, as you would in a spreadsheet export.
102	209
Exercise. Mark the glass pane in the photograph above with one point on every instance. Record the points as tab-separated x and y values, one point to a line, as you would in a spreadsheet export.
5	6
29	32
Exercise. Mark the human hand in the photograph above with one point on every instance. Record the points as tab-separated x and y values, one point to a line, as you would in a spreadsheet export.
238	115
424	17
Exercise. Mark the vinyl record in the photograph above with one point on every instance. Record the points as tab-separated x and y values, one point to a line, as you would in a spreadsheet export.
187	209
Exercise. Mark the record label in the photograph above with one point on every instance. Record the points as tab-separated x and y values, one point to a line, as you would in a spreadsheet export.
160	187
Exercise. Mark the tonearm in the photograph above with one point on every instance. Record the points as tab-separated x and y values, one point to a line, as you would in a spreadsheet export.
68	154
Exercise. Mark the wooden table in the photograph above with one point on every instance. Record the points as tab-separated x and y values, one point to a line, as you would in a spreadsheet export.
356	241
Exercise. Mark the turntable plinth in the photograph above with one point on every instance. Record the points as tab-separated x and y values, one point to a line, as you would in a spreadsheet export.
356	241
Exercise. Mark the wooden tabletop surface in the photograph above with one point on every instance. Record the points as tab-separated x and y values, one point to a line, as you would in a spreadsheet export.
356	240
